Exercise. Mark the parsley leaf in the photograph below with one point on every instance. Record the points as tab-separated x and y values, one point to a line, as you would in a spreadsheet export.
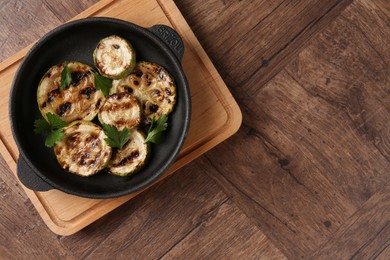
41	126
53	137
66	77
55	121
53	127
103	83
155	133
116	138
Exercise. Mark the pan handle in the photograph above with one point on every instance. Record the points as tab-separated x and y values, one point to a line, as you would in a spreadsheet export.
29	178
170	37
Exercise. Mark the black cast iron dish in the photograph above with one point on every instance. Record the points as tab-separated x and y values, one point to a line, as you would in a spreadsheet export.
38	168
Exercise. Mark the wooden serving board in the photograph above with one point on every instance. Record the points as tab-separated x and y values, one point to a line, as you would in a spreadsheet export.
215	114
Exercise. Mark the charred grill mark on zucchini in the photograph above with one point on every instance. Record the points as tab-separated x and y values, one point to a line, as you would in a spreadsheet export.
132	157
153	86
77	101
83	150
98	103
120	110
168	91
153	108
77	76
87	92
62	109
128	159
52	94
128	89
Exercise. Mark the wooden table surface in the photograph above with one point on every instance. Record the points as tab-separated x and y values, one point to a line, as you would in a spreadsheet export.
307	176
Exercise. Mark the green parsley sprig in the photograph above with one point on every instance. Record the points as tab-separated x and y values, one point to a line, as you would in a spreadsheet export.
53	126
116	138
156	129
66	77
102	83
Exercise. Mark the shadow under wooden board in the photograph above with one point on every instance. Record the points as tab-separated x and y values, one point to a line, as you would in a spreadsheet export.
212	102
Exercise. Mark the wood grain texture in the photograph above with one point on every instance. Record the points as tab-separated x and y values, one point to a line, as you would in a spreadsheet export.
20	225
316	139
351	78
306	176
259	37
384	254
279	193
224	232
365	235
23	22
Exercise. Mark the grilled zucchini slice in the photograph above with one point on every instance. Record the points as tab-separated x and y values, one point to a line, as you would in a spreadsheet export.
83	150
121	110
78	101
132	157
114	57
153	86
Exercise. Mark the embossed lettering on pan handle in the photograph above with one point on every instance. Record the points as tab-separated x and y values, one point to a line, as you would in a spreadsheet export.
170	37
29	178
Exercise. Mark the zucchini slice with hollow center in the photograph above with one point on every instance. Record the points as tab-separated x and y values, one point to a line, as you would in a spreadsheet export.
153	86
114	57
79	101
121	110
131	157
83	150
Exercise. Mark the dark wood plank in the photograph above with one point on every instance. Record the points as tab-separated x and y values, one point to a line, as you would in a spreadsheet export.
24	22
311	19
365	235
348	68
149	225
324	135
219	25
374	247
250	43
385	254
22	232
302	163
380	7
8	180
284	194
225	232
